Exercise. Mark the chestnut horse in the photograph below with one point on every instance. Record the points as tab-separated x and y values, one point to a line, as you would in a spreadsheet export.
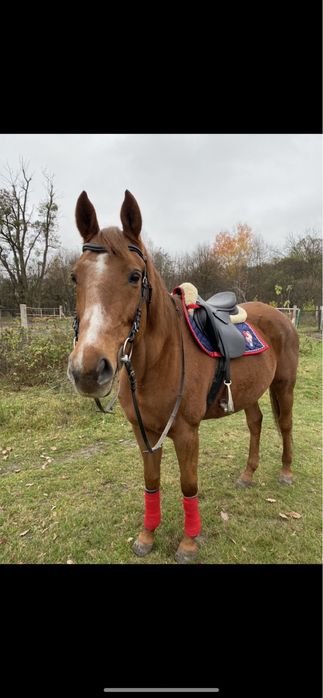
123	308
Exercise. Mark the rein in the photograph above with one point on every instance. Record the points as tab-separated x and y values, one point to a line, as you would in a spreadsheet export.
146	293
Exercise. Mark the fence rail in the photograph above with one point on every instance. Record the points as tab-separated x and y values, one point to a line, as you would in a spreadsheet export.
30	315
293	314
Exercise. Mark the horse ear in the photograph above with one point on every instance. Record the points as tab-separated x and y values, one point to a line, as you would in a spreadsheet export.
130	216
86	219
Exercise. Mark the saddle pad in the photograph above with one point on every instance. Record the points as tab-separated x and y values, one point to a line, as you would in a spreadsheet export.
254	344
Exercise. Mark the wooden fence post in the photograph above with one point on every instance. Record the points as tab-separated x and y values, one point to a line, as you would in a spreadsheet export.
293	318
320	319
23	315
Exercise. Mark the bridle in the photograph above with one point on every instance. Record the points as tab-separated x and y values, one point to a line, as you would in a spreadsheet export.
145	297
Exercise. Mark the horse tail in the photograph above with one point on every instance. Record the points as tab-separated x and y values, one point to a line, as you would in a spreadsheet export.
275	407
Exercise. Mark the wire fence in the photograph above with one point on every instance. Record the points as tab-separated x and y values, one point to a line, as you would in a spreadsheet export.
32	317
38	318
292	313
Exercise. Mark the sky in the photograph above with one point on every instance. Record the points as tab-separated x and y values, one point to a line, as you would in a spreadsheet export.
189	187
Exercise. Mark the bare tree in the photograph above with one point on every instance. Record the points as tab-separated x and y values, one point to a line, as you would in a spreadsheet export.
25	238
58	287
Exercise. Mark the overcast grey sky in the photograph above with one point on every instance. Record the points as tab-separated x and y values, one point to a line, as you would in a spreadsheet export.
189	186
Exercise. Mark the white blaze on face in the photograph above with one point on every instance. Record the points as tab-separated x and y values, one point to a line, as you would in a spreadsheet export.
95	319
100	266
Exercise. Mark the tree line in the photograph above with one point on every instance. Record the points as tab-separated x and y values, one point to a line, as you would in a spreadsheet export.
35	269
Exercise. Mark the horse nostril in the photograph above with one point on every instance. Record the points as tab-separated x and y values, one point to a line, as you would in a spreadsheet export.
104	371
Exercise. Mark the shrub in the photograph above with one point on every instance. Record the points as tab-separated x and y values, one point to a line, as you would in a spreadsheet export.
36	357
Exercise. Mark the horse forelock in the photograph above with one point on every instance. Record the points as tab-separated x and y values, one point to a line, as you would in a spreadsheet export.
116	241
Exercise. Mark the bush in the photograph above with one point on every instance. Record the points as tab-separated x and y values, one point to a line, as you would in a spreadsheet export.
36	357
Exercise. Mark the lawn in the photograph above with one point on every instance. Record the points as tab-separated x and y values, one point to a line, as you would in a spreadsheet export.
71	482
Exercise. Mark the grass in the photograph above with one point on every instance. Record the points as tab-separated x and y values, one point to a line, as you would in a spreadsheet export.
71	482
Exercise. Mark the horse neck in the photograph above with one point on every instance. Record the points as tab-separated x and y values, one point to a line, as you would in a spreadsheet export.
160	331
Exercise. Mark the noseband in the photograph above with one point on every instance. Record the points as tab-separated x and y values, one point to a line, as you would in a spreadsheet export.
146	293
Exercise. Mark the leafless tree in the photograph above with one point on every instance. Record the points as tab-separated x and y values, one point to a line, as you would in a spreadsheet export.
25	236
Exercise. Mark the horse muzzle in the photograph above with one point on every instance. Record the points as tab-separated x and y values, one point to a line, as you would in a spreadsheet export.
96	382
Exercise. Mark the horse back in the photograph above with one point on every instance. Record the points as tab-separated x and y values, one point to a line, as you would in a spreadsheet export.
277	329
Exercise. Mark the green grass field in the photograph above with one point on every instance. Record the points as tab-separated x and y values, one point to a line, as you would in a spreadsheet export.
71	482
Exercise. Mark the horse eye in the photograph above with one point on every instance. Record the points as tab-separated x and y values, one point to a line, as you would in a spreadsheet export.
134	277
73	277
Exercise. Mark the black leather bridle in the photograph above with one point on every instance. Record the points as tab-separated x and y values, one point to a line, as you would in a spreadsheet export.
146	293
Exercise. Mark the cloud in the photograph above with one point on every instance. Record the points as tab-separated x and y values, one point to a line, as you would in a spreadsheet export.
188	186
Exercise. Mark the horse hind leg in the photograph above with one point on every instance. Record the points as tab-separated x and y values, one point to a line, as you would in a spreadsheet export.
254	421
282	395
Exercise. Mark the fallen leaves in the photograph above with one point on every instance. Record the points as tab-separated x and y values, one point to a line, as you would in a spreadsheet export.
224	516
290	515
24	533
48	460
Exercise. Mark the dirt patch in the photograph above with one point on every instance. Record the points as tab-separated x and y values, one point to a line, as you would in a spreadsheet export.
84	452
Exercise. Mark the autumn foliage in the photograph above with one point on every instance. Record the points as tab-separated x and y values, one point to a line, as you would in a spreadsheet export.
233	250
233	253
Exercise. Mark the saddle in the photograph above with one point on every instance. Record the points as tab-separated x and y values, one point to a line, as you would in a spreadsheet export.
213	319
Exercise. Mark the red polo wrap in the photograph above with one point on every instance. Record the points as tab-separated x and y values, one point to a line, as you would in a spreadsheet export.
192	525
152	510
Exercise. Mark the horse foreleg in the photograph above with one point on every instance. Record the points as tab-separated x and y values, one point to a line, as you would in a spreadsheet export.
187	447
254	421
145	540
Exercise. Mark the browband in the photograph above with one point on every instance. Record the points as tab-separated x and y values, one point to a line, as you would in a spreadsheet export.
99	249
146	289
134	248
93	248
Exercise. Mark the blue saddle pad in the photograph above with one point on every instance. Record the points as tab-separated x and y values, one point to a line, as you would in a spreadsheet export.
253	343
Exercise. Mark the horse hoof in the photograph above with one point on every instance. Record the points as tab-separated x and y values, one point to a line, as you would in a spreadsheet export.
141	549
188	549
285	479
183	557
244	483
200	540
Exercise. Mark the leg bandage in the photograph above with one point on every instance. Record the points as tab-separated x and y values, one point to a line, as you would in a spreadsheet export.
192	525
152	510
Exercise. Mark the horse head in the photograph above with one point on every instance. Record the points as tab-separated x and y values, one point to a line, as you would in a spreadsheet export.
110	277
